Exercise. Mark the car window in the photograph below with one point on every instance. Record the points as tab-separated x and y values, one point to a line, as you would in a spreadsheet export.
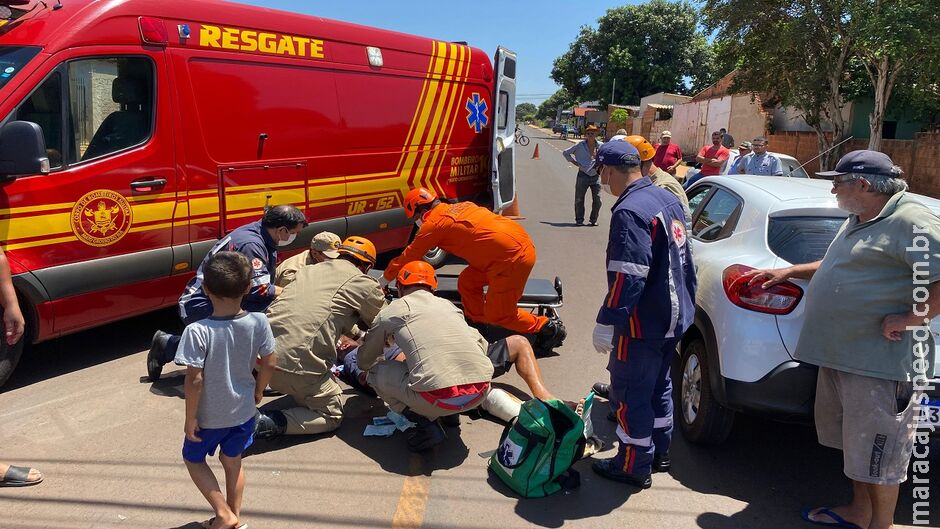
111	103
697	195
717	217
44	108
801	240
792	169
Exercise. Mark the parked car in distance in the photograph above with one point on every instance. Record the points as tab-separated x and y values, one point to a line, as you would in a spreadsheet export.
738	354
791	168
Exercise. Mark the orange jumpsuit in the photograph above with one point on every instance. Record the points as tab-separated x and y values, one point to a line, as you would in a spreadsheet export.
499	253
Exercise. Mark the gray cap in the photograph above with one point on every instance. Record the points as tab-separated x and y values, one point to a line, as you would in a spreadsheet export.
326	243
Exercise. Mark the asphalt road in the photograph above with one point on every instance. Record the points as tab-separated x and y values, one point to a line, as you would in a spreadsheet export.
81	410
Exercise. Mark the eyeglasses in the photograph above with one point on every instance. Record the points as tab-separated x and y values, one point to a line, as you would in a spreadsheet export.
836	181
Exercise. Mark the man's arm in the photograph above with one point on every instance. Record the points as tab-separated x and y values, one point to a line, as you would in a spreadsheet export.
776	167
678	159
775	276
264	376
700	157
428	236
894	326
13	322
569	154
192	388
631	246
263	291
373	345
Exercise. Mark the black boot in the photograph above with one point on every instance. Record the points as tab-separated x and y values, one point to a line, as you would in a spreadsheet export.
425	435
607	469
155	356
270	425
661	463
551	335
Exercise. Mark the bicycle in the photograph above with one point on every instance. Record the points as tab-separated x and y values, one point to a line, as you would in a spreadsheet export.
521	138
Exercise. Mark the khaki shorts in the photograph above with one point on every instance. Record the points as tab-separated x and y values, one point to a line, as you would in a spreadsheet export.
871	420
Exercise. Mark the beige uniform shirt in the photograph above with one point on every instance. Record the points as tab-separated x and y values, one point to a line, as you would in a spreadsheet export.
287	270
441	350
323	302
668	182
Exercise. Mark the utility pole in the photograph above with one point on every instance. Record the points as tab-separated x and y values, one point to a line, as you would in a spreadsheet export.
612	90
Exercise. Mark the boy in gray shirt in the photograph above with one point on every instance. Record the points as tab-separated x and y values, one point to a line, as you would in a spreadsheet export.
219	353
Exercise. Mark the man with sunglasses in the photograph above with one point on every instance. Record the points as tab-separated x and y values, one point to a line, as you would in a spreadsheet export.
867	333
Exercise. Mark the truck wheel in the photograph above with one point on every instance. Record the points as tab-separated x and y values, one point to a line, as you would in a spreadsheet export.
9	357
701	418
436	257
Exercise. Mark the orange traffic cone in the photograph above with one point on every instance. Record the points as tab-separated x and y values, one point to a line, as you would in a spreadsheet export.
535	155
512	210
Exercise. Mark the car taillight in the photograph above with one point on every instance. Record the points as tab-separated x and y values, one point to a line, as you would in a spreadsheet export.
778	299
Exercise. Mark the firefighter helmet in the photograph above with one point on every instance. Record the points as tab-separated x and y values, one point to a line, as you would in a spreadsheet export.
358	247
417	197
417	273
646	149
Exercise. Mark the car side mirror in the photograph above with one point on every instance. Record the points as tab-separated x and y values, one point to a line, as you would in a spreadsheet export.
22	150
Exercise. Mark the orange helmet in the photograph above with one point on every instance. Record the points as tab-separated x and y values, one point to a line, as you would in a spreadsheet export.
358	247
417	273
417	197
647	151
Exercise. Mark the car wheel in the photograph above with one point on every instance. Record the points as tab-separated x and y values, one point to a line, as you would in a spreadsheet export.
436	257
9	357
701	418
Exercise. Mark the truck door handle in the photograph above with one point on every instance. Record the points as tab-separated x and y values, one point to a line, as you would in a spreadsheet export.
149	185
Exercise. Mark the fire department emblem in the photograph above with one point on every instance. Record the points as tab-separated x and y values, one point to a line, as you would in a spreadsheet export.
101	217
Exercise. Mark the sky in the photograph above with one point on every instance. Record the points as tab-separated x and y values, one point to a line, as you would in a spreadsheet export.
537	32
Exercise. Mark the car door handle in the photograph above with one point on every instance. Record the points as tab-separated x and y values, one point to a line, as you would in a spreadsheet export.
151	184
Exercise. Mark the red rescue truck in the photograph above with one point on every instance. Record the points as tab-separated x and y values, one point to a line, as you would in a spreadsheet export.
134	133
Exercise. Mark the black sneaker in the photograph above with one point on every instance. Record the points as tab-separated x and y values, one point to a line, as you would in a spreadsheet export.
425	436
606	468
155	356
661	463
269	425
601	389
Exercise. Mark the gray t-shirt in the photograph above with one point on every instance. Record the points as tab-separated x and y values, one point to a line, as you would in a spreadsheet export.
226	349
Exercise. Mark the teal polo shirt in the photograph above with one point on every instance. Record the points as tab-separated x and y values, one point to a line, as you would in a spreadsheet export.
867	274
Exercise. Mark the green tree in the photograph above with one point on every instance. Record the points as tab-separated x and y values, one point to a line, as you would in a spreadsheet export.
798	50
896	37
525	112
549	108
648	48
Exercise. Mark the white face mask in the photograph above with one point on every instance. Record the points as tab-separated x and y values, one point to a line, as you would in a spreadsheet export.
290	239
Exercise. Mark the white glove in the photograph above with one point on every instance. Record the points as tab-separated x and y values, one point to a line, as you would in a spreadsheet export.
603	338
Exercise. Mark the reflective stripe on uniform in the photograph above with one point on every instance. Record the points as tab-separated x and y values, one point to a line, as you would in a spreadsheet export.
624	267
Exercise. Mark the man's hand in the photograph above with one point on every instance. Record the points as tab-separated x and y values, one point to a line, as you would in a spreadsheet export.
895	325
13	324
768	278
190	430
345	344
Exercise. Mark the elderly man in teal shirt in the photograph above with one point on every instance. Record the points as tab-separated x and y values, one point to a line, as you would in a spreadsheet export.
868	309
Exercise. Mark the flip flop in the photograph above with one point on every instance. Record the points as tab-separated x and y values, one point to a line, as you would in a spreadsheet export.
18	477
208	523
837	521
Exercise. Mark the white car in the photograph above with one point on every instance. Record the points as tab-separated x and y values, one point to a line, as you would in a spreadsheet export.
791	167
737	356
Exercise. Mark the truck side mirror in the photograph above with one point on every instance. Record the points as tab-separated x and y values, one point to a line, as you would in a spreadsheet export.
22	150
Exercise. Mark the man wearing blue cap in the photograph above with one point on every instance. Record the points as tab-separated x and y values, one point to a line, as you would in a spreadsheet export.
867	326
649	304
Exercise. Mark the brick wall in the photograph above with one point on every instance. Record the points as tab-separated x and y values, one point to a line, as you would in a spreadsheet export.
919	158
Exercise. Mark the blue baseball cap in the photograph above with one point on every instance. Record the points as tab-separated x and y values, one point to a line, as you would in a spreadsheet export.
617	153
864	162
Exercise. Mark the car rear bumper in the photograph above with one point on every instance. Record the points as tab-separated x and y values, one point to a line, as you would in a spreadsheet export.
786	393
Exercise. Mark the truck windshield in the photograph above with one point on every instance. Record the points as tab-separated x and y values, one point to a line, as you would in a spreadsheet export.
12	60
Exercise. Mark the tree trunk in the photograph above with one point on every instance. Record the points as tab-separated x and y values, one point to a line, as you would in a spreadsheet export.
883	75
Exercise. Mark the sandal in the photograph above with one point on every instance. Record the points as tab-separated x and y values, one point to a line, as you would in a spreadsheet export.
18	477
837	521
208	523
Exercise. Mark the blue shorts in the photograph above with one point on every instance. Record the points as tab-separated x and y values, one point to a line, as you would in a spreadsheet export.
233	440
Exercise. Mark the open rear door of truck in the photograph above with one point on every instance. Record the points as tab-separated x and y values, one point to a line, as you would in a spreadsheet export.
503	181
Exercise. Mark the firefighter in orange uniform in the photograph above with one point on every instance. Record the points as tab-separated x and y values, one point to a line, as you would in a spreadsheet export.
499	255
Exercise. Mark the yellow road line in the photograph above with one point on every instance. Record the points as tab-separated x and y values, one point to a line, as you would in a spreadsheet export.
413	500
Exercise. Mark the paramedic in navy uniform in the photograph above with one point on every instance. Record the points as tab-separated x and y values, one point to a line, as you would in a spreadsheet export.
649	304
258	241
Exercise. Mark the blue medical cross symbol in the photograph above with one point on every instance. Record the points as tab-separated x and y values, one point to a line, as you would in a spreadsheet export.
476	113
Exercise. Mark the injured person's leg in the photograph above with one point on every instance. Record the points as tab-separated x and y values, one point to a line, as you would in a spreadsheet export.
522	356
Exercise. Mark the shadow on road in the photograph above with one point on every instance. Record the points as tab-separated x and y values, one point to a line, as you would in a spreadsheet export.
91	348
566	224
